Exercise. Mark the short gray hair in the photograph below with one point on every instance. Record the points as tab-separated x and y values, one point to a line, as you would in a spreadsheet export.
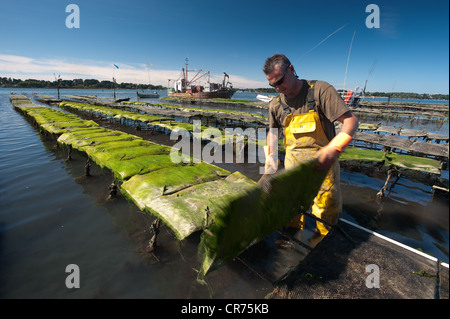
277	59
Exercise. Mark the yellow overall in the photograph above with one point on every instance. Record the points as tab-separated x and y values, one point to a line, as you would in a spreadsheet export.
304	136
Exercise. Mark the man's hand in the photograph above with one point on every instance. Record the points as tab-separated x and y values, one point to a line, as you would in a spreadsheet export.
271	165
326	156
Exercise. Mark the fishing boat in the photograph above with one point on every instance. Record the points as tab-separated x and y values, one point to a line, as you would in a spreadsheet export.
353	97
185	87
122	100
147	96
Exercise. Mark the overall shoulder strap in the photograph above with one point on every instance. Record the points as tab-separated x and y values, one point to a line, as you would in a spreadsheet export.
285	107
310	97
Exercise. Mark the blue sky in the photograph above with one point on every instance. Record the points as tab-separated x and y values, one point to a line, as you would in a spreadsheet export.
408	53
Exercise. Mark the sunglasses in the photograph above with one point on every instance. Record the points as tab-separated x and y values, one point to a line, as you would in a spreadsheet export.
280	81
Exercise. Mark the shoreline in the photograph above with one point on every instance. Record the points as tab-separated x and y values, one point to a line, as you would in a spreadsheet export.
366	98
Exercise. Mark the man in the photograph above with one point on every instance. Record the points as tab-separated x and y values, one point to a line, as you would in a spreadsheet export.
306	110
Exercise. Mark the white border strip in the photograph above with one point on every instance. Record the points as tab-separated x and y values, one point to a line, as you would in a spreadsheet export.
395	242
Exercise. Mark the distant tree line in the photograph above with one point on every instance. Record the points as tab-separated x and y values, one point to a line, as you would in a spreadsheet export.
407	95
259	90
396	95
96	84
73	84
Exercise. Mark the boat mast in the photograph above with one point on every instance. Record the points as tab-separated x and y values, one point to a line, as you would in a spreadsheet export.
114	87
114	83
186	76
148	73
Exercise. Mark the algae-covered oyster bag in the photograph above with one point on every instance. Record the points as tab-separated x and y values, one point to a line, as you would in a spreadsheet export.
250	217
179	196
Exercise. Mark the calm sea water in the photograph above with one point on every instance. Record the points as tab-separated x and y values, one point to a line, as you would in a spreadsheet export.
51	217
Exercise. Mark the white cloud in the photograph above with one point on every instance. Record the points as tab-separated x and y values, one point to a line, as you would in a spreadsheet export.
45	69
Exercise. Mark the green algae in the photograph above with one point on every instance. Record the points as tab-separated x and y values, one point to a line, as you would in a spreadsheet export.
61	127
113	112
241	221
128	158
80	143
408	162
126	168
357	154
180	196
124	150
197	109
176	126
155	121
195	205
414	163
83	130
144	188
56	122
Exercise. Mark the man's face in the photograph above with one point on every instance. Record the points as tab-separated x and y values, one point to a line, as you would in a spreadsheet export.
282	80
